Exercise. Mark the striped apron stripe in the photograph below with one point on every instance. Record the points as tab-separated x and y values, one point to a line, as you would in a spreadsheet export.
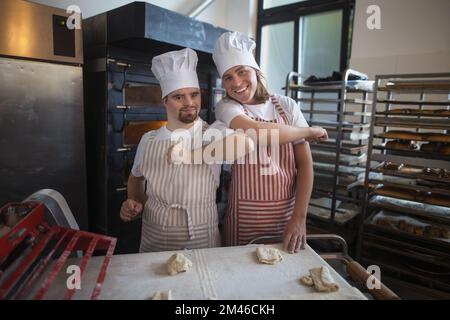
259	204
181	211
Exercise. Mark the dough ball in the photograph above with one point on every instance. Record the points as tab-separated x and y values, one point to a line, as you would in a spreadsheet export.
307	281
268	255
162	295
178	263
323	281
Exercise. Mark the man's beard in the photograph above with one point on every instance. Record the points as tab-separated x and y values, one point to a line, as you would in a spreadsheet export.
187	118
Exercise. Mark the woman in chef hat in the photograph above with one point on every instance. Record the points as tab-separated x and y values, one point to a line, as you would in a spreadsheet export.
262	204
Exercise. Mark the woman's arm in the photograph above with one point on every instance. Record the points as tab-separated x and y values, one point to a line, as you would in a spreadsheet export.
294	237
232	147
285	133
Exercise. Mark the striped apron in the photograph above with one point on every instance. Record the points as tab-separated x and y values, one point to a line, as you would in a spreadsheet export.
181	211
261	205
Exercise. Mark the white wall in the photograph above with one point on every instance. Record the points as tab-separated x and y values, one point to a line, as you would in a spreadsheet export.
239	15
415	37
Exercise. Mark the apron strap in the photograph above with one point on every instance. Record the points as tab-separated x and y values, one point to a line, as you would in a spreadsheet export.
188	217
279	109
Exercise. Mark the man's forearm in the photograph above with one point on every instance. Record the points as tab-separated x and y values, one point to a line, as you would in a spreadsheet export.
135	189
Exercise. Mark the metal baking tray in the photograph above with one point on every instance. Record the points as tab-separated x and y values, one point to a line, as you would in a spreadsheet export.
329	100
419	280
429	211
410	175
434	260
342	170
336	86
414	153
415	102
412	187
419	271
346	113
346	148
381	136
330	157
415	113
428	253
437	124
324	193
346	126
413	161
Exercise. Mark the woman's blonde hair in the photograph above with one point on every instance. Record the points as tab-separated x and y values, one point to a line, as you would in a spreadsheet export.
261	93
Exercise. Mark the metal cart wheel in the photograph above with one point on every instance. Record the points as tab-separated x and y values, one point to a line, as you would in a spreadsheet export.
356	272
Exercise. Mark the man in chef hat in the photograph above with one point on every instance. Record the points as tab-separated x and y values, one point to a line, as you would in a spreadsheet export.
179	206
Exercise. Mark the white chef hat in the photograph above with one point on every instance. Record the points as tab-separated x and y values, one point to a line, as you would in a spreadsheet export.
176	70
234	49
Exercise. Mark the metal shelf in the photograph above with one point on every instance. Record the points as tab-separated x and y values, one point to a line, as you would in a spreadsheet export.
410	175
412	187
346	126
419	209
322	89
436	124
334	112
407	253
347	149
324	100
429	251
395	97
322	193
414	161
415	103
415	153
347	102
401	270
413	114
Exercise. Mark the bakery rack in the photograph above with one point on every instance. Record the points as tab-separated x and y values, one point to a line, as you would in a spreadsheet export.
342	108
406	228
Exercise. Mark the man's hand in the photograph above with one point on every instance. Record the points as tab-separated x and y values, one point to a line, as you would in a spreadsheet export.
318	134
294	237
130	209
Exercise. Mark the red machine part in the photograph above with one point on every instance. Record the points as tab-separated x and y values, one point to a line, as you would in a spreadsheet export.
31	245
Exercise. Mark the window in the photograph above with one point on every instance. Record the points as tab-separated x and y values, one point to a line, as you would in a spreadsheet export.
320	43
311	37
277	54
267	4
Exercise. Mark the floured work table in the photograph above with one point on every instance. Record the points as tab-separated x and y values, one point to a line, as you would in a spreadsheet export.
226	273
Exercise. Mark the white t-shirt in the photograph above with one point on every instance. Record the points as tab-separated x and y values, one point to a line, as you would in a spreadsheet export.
165	134
227	110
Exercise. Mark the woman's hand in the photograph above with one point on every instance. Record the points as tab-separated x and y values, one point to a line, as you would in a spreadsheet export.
294	237
318	134
130	209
